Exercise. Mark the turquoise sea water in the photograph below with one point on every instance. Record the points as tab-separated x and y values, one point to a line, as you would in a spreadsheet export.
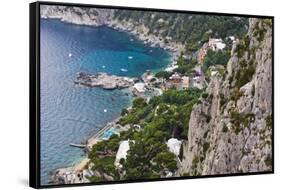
71	114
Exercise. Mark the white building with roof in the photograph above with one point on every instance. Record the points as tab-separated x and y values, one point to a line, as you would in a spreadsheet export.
174	146
198	82
140	87
185	82
216	44
175	77
122	152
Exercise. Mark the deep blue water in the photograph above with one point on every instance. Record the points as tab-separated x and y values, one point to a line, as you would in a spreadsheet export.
71	114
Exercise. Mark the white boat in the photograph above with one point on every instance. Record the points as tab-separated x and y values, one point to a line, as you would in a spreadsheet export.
130	57
69	55
103	66
123	70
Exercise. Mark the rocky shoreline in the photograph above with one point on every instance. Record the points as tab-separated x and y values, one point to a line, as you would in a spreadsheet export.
141	33
103	80
76	15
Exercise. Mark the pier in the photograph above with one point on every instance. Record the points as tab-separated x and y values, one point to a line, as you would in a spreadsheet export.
78	145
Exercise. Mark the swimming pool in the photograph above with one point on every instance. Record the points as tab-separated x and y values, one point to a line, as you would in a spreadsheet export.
107	134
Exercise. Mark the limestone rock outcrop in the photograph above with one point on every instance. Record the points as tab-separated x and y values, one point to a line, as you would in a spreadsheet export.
230	128
77	15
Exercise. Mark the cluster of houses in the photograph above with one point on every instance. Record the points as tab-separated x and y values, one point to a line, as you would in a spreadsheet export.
176	80
182	82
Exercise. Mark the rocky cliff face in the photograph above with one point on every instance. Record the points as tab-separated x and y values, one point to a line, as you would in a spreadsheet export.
77	15
230	129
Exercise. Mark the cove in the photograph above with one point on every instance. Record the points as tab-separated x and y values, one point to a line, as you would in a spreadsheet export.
69	113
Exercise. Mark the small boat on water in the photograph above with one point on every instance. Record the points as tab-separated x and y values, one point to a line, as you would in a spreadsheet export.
69	55
124	70
103	66
130	57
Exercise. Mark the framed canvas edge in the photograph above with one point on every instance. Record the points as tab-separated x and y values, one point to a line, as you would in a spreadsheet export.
34	95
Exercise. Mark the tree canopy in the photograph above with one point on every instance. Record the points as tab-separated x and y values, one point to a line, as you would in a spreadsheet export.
215	58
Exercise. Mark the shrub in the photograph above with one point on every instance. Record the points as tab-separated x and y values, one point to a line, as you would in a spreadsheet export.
237	130
267	22
215	58
245	75
222	101
195	162
139	103
234	115
186	174
268	121
163	74
124	112
259	33
268	161
204	95
247	119
206	146
224	129
235	94
240	49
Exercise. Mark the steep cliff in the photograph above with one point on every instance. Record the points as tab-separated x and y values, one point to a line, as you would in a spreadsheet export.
98	17
173	31
230	128
77	15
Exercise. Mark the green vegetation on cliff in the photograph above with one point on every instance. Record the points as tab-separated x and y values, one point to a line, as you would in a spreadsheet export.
186	28
163	117
215	58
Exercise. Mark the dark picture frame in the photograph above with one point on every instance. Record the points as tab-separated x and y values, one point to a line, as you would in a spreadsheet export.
34	94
